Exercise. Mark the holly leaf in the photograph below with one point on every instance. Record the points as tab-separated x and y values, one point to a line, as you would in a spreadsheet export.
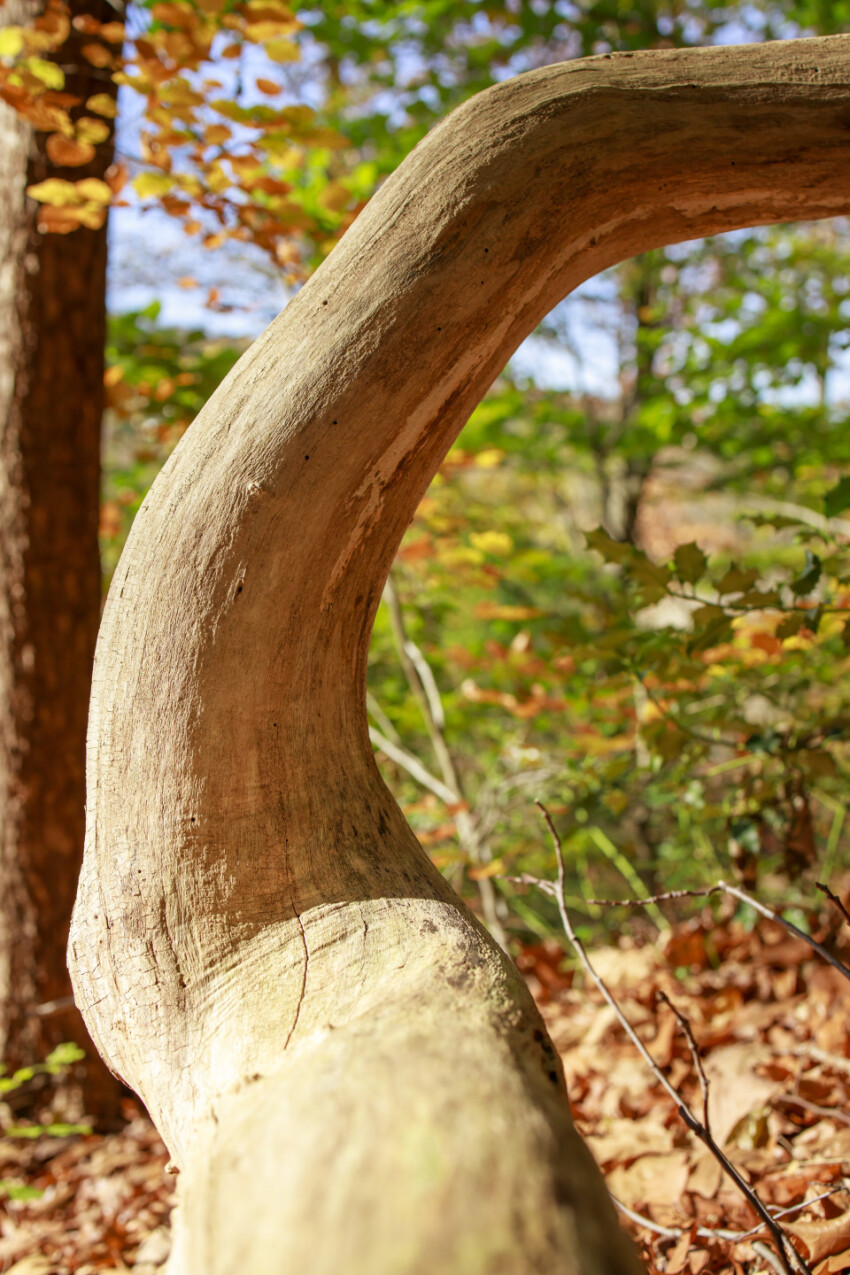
691	563
611	550
737	580
716	631
792	624
808	578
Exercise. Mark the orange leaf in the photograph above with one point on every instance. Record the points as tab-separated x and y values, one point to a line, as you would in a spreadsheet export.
97	55
823	1237
67	153
269	87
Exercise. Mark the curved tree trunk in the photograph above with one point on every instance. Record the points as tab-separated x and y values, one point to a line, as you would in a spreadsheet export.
52	333
348	1072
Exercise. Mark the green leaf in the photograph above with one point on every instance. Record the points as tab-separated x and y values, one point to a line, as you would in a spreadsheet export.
647	572
691	563
65	1054
755	598
792	624
736	580
808	578
705	615
716	631
611	550
19	1190
837	499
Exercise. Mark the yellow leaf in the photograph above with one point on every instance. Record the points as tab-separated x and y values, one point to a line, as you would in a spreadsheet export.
280	147
187	282
93	216
103	104
181	93
260	32
272	9
147	185
92	130
497	543
282	50
489	458
67	153
244	164
217	178
190	183
11	41
92	188
492	611
55	191
48	72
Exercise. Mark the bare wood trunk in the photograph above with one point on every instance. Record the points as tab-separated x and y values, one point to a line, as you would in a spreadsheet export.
52	332
348	1071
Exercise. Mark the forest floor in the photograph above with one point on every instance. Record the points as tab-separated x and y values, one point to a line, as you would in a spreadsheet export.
772	1021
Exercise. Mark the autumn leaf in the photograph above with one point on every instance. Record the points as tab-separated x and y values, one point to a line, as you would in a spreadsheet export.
97	55
147	185
92	188
12	41
66	153
281	50
102	104
89	130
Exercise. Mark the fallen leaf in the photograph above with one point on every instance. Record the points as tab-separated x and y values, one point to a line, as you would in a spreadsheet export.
656	1179
824	1237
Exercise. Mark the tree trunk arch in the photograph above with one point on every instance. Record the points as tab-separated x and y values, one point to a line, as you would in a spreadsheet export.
347	1070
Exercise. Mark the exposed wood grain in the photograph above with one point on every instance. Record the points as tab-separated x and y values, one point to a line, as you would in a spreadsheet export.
347	1068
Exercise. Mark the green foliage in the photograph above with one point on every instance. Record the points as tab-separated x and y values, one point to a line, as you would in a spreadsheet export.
62	1057
56	1063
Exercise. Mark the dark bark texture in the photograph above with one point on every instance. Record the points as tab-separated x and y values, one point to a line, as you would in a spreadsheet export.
52	334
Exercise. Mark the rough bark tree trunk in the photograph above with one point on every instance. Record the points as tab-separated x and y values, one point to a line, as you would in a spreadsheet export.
349	1074
52	331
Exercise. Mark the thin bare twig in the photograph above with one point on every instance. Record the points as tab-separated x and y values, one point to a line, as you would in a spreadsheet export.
721	1233
789	925
54	1007
695	1054
423	687
833	898
722	887
412	765
794	1100
768	1255
788	1255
